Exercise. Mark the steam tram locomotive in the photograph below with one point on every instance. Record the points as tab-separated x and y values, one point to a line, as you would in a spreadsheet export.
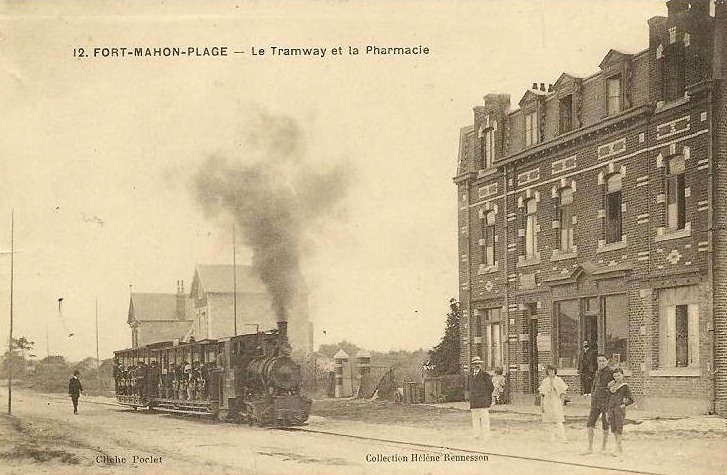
248	378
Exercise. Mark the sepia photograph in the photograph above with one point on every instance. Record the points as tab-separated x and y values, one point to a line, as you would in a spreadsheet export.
338	237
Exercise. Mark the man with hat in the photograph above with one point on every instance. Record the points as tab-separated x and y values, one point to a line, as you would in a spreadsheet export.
480	384
74	390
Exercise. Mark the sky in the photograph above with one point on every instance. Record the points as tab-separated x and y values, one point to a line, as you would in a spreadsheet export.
98	156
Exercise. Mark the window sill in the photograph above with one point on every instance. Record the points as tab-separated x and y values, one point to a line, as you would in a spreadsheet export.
485	269
614	246
522	262
689	372
574	372
662	106
491	170
561	256
676	234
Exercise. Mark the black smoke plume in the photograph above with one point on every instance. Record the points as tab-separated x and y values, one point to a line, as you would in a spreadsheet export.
276	198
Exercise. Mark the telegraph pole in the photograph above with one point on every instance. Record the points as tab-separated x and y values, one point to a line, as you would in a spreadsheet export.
234	279
10	339
98	361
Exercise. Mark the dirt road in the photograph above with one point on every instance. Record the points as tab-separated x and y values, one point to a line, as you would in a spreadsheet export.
45	437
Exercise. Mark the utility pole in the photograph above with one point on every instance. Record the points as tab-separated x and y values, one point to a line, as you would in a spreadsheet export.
10	340
98	361
234	279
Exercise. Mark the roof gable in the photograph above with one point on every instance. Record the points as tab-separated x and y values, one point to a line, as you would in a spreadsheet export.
531	95
613	57
155	306
218	278
565	78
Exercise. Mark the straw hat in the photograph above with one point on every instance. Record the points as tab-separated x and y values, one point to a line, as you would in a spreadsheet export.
477	360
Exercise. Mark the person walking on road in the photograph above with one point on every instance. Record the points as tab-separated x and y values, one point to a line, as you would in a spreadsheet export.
75	389
480	399
553	390
599	401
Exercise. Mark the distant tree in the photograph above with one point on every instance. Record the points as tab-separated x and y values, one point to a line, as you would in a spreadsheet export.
331	350
444	358
15	357
86	364
53	359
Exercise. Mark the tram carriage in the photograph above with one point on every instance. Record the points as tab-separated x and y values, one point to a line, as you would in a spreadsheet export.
249	378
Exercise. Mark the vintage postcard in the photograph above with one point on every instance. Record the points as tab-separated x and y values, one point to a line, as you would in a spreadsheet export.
363	237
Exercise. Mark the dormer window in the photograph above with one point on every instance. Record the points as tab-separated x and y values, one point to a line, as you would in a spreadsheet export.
613	91
531	129
487	146
672	35
566	114
672	72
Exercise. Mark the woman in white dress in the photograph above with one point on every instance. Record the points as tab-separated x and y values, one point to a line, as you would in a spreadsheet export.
552	390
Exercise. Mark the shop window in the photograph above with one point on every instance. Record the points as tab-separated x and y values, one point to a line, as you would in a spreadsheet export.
567	316
616	328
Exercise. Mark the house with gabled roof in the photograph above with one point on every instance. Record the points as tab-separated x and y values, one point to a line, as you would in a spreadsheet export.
155	317
213	298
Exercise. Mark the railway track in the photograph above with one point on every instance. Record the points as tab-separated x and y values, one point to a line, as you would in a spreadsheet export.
429	447
442	449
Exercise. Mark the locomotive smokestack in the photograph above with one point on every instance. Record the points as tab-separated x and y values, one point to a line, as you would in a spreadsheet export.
283	329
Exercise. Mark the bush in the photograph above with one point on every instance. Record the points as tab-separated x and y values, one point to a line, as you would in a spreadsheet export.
453	394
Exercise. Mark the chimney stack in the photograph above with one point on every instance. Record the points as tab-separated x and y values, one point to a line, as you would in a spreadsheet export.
542	86
535	86
675	7
550	88
181	301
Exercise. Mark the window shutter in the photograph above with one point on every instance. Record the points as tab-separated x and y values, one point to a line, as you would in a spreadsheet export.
667	340
693	312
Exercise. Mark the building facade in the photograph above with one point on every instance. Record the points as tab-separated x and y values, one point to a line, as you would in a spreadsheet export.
597	211
213	296
155	317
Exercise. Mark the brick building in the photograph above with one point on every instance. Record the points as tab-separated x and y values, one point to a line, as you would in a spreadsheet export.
597	210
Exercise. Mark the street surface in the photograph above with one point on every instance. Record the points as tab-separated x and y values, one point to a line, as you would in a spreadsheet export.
104	438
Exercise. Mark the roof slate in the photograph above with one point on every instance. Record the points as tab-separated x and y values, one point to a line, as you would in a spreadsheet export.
218	278
156	306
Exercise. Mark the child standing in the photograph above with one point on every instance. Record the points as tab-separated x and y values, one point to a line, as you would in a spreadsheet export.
553	390
498	381
619	398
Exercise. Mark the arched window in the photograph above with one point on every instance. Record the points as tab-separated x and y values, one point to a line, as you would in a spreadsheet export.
565	212
675	194
612	224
